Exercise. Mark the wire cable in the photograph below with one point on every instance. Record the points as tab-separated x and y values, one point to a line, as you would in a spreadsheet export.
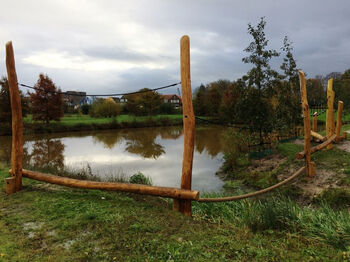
117	94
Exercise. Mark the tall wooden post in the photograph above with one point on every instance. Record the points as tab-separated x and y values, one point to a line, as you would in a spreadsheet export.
184	206
330	127
339	123
14	183
310	166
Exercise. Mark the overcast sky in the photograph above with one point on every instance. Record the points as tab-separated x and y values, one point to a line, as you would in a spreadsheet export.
116	46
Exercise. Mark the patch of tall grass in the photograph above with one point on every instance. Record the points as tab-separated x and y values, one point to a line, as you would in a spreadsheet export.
86	173
283	214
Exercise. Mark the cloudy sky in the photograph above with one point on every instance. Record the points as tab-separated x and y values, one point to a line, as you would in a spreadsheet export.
116	46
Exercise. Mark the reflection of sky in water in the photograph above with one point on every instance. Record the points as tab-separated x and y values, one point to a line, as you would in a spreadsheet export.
164	170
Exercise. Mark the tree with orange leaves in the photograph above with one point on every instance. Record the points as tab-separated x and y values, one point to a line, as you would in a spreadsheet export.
47	101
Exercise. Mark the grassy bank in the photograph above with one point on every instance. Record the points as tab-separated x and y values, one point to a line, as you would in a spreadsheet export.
70	123
322	117
50	223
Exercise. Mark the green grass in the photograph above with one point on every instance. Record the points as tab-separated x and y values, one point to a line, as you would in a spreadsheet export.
52	223
322	117
71	123
75	119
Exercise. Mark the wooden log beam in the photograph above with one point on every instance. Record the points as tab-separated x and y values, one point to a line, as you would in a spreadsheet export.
339	122
330	130
314	149
184	206
17	122
310	166
168	192
318	136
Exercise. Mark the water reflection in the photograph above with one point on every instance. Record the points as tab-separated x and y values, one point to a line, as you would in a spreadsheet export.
209	139
47	153
140	141
156	152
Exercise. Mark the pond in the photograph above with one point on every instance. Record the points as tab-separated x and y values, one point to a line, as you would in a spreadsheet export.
156	152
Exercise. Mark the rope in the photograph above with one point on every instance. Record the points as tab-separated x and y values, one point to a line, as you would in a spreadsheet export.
252	194
120	94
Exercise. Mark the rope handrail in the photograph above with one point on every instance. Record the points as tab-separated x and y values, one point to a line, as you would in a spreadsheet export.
252	194
117	94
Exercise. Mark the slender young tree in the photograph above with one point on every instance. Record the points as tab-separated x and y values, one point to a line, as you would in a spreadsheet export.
288	91
47	102
255	107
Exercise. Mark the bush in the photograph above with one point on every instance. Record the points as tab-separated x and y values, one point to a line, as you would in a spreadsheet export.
85	109
140	178
236	150
105	108
167	109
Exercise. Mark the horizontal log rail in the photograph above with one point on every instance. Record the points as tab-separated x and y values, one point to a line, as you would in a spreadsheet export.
314	149
168	192
256	193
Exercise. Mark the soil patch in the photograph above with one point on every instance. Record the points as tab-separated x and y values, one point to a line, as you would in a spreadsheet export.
268	163
344	145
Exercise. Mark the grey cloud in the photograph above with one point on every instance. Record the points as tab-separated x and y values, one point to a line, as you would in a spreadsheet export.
110	30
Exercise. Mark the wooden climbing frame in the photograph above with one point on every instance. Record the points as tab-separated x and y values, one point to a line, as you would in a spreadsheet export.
332	133
182	197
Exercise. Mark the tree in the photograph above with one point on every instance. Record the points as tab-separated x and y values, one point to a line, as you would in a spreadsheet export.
342	89
315	92
47	102
229	101
288	91
105	108
199	101
261	79
5	102
145	103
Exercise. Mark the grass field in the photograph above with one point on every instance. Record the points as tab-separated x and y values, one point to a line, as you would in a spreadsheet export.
71	123
51	223
86	119
345	117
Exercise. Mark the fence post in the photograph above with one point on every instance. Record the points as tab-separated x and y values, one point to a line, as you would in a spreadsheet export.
330	111
314	124
310	166
14	183
184	206
339	123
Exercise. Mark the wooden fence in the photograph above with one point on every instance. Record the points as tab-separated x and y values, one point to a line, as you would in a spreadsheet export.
182	196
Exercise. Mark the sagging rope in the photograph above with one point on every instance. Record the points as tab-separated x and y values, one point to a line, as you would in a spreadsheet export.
256	193
120	94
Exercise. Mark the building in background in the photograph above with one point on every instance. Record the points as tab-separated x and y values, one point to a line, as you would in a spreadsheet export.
74	98
173	99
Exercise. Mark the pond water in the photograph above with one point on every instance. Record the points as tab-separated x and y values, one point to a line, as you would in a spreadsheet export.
156	152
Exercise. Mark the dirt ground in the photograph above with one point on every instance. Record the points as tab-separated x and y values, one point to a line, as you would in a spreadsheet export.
324	179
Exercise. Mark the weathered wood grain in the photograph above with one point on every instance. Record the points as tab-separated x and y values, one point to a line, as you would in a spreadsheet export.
17	123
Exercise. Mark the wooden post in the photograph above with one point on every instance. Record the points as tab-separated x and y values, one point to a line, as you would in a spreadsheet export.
17	123
339	123
330	130
184	206
314	124
310	166
10	185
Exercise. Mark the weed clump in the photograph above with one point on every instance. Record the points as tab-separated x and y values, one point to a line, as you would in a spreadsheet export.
140	178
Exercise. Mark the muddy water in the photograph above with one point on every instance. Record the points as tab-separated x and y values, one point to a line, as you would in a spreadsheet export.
156	152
